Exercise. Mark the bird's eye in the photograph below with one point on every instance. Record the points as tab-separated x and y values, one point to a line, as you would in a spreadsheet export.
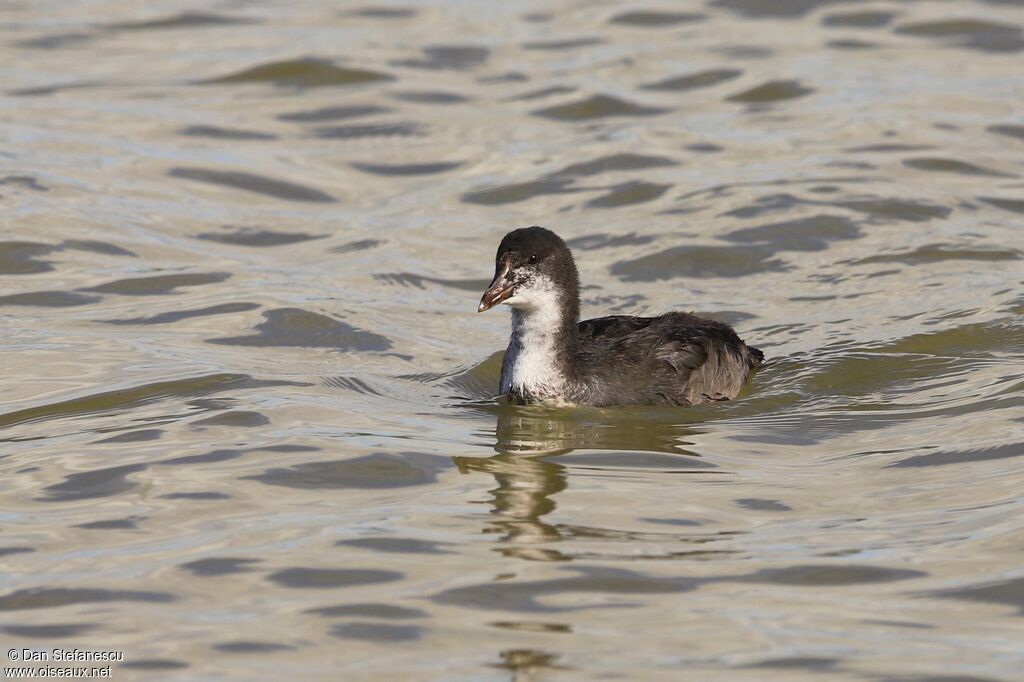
533	258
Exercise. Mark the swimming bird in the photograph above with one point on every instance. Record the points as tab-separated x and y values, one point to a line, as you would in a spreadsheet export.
674	359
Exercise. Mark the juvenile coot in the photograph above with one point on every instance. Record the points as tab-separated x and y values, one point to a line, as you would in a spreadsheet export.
673	359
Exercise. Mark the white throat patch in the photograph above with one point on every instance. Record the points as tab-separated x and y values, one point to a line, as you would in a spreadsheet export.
530	366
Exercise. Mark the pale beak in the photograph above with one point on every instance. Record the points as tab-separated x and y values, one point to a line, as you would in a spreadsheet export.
500	289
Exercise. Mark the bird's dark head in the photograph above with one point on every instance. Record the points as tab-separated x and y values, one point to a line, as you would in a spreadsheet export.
533	269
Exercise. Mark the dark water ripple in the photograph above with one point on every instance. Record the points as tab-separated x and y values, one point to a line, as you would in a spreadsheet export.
249	182
864	19
595	107
219	566
302	73
896	209
699	261
975	34
442	57
112	524
383	12
810	663
339	113
251	236
604	241
522	191
251	647
187	20
399	545
934	253
567	44
941	165
22	258
851	44
327	578
615	162
430	97
358	245
1013	205
140	436
523	596
1008	130
24	182
48	299
178	315
26	258
700	79
355	131
158	285
652	19
368	471
784	9
406	169
543	93
196	496
54	41
245	419
354	384
376	632
628	193
130	397
561	182
962	456
1005	592
219	133
301	328
52	597
52	631
772	91
90	484
96	246
369	610
805	234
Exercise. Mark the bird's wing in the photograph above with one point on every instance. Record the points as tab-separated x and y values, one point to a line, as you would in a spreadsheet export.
685	359
613	326
713	370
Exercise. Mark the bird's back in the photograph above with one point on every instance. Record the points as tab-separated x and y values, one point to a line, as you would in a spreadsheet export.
674	359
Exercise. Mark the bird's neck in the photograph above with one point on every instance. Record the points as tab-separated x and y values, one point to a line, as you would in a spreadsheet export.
541	358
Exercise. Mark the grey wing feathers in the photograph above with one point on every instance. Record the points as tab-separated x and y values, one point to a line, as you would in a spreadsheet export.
708	371
712	363
677	358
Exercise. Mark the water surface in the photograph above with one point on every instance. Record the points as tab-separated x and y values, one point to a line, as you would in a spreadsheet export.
248	419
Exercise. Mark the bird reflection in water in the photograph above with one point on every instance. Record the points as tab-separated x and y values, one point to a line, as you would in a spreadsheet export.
528	439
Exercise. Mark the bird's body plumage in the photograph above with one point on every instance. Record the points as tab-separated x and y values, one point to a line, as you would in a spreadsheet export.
674	359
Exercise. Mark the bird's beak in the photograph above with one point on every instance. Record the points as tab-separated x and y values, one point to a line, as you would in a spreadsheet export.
500	289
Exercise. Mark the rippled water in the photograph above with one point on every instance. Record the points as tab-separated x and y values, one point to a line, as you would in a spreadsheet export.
248	421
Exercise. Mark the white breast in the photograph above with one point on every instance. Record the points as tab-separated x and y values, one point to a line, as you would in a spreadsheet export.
530	366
